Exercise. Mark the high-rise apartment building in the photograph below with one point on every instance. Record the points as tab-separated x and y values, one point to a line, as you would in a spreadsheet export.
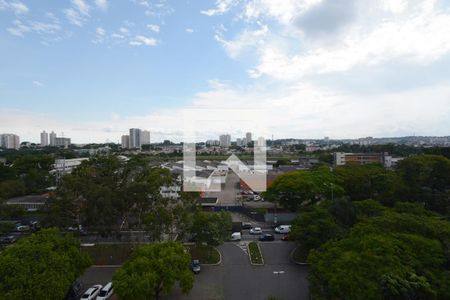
125	141
145	137
52	138
9	141
225	140
44	139
135	138
248	137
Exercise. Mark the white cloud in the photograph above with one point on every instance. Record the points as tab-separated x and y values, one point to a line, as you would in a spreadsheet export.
74	17
81	6
15	6
153	27
102	4
37	83
100	31
189	30
20	28
222	6
143	40
78	13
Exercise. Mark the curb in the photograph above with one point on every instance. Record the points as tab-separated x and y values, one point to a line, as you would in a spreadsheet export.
260	252
291	257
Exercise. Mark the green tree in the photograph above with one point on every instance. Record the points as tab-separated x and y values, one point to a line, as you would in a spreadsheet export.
294	189
211	228
41	266
153	270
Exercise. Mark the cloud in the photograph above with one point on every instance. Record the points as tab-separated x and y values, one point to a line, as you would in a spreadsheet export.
100	31
102	4
143	40
78	13
189	30
20	28
37	83
15	6
222	6
153	27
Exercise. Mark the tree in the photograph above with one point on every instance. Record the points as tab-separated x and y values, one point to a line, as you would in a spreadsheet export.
41	266
315	226
388	256
153	270
294	189
210	227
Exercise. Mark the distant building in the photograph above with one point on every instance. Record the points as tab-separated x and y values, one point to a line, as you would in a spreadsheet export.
52	138
62	142
248	137
225	140
212	143
30	202
145	137
65	166
341	158
44	139
125	141
135	138
9	141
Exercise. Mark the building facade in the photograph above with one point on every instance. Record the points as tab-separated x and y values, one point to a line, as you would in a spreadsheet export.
52	138
341	158
9	141
44	139
125	141
135	138
145	137
225	140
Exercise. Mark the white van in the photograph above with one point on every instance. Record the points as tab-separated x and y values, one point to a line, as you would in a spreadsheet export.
236	236
283	229
106	292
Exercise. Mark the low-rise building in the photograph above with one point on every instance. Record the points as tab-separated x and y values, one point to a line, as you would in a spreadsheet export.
29	202
383	158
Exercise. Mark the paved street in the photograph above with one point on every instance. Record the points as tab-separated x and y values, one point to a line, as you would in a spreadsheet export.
235	278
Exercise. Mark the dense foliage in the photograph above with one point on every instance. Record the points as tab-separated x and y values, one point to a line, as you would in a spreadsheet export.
41	266
153	270
211	228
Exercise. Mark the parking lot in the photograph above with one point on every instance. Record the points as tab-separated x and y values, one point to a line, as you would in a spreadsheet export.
235	278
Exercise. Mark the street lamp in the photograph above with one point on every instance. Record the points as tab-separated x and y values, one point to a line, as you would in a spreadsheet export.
277	274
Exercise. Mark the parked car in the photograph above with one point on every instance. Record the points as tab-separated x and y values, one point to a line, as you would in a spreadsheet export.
10	239
74	291
246	225
23	228
236	236
256	230
106	292
283	229
265	237
195	266
92	292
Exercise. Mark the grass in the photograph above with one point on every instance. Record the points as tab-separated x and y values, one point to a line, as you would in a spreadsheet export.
255	253
109	254
300	254
204	253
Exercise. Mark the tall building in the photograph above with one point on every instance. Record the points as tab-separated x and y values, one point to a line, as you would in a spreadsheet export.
62	142
44	139
9	141
248	137
125	141
145	137
135	138
225	140
52	138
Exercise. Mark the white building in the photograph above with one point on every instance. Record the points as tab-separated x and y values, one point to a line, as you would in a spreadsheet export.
44	139
135	138
65	166
125	141
225	140
9	141
145	137
248	137
52	138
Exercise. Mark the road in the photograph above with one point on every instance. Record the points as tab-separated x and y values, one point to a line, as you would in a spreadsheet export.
236	278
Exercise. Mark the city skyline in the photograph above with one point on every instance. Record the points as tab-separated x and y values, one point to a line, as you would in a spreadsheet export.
93	69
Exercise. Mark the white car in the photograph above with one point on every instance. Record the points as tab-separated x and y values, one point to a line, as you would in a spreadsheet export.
92	292
106	292
236	236
283	229
256	230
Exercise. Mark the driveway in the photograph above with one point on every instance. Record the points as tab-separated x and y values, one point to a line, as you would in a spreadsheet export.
236	278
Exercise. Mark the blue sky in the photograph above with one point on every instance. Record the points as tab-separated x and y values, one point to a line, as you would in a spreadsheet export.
94	68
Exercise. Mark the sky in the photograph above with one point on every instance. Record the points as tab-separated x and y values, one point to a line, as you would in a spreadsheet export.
92	69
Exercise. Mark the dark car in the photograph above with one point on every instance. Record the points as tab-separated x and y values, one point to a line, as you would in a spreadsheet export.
74	291
246	225
195	266
7	239
266	237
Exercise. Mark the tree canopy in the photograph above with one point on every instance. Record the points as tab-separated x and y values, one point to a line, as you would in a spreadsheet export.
153	270
41	266
211	228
